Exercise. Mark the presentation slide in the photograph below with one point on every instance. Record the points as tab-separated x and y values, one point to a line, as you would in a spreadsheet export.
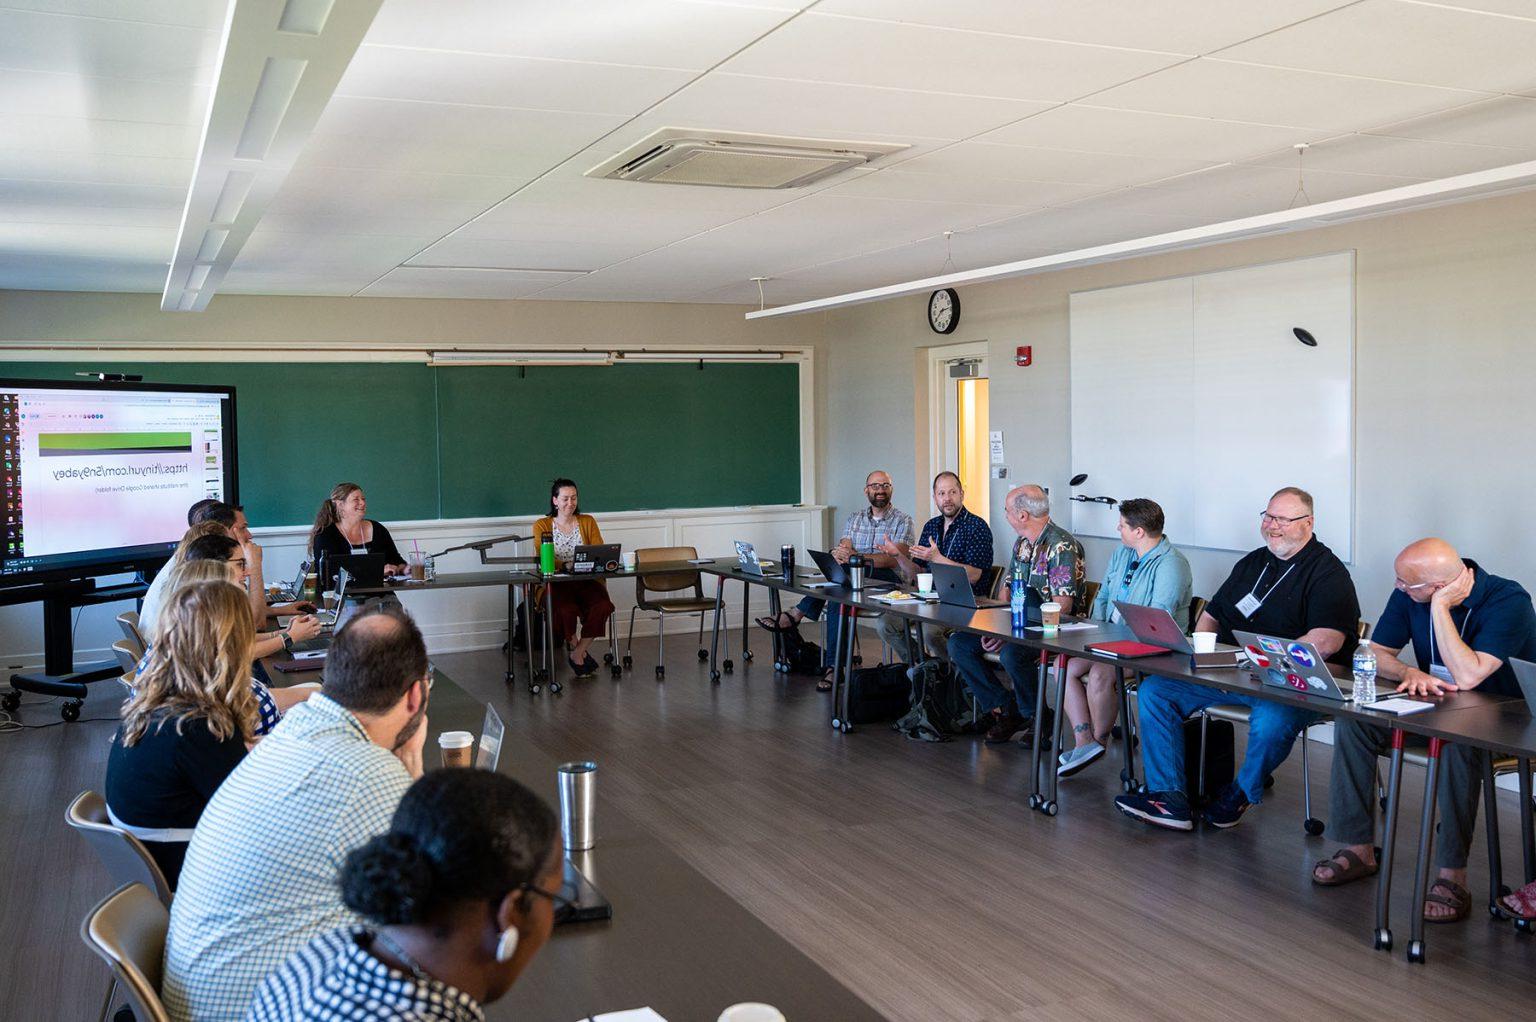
107	474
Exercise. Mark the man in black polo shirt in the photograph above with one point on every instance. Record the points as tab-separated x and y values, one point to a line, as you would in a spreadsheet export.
1464	624
1293	587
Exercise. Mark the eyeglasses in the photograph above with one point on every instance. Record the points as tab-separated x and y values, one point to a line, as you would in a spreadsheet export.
1130	571
879	487
1268	519
1416	586
239	562
563	906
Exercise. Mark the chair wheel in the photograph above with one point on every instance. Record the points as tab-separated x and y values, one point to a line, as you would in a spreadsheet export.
70	711
616	671
1313	826
1049	808
1129	786
1035	801
11	701
534	689
703	655
608	658
714	676
1383	940
1416	951
661	672
629	662
746	656
555	687
727	666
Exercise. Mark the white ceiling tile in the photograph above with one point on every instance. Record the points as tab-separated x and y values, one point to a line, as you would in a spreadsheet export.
779	106
1174	26
1513	8
33	41
521	220
49	165
1228	193
85	194
1405	42
77	275
385	193
310	282
600	194
1376	154
61	94
36	209
205	14
401	223
269	251
1021	163
962	186
551	253
1503	121
822	48
650	33
441	77
1137	133
1248	92
419	282
82	135
35	251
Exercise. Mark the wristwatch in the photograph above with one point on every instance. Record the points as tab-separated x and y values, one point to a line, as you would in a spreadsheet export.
287	641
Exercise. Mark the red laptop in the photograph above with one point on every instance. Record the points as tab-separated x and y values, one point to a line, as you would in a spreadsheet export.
1158	633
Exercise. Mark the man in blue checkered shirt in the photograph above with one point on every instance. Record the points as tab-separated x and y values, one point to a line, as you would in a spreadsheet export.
260	875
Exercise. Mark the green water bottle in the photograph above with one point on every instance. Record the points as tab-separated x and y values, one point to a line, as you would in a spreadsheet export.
547	556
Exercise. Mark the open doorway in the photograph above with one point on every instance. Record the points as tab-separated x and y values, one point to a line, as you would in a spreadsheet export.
959	417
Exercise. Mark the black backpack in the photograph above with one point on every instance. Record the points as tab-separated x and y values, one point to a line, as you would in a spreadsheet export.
940	706
801	655
878	694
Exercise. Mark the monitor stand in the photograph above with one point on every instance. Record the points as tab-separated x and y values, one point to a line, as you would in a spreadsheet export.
61	675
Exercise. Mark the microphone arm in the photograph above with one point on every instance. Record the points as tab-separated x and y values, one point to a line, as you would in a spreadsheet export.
1111	501
484	545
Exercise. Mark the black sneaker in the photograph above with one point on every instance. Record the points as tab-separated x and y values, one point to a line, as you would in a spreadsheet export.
1169	809
1229	807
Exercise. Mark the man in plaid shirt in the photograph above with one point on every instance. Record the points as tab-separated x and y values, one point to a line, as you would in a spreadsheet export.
866	532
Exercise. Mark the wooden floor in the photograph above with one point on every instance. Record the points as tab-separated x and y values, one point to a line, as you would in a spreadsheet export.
913	872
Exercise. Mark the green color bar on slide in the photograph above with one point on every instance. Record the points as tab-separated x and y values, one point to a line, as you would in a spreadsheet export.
114	441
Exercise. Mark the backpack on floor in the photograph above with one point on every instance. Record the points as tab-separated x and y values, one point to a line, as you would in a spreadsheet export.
938	704
878	694
802	655
1220	759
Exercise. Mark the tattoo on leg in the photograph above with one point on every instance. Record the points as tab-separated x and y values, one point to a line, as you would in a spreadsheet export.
1080	728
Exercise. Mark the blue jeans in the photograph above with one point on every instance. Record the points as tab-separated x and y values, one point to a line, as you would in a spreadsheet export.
1021	663
812	608
1165	705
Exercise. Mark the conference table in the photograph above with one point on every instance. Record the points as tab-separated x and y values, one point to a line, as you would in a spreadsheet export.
1496	724
676	943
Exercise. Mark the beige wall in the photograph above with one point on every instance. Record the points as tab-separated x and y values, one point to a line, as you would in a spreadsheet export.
1445	383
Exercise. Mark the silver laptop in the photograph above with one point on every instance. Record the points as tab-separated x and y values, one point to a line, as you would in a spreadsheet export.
491	733
953	586
748	563
1154	626
1290	664
328	618
1525	674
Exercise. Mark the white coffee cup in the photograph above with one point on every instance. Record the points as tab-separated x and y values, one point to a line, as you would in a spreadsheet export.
751	1011
457	748
629	560
925	582
1204	642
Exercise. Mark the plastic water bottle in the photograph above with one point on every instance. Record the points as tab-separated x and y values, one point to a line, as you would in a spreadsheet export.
1365	674
1016	599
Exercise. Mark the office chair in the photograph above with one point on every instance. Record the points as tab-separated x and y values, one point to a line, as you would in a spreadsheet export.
128	929
649	587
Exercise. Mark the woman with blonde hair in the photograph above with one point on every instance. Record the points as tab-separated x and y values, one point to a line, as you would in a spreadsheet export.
188	723
342	527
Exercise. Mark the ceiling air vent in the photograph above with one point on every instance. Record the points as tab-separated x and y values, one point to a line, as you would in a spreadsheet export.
725	159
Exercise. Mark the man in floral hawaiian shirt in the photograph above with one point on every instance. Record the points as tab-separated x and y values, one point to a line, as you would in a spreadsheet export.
1052	563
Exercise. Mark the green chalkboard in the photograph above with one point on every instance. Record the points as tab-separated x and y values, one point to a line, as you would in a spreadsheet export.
482	441
632	436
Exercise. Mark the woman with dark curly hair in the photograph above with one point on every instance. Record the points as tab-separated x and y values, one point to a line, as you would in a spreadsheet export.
457	898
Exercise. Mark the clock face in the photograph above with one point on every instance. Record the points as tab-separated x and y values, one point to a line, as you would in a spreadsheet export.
944	310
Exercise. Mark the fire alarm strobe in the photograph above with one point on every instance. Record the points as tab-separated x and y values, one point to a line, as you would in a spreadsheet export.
1023	355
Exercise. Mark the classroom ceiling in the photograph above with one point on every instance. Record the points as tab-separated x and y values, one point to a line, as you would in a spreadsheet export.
449	161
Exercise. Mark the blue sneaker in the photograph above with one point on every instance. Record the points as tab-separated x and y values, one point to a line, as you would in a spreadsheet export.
1167	809
1229	807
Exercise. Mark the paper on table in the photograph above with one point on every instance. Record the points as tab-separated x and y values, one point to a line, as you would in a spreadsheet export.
1066	626
632	1015
1398	706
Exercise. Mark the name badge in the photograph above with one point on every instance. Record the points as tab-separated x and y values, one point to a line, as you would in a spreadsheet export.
1248	604
1442	672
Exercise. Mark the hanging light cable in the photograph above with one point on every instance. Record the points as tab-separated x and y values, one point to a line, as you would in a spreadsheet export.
1301	188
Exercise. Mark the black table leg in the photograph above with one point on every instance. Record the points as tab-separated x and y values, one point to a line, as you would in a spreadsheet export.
1527	832
714	635
1383	941
746	621
842	669
1128	774
1036	798
1426	848
775	609
511	630
1059	721
1496	888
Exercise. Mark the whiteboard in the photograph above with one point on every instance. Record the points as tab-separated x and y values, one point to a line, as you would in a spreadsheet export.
1195	392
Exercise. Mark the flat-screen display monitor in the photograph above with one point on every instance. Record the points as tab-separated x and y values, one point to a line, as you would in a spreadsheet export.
99	476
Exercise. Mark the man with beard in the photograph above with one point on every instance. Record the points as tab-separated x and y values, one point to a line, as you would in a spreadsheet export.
865	532
260	873
1292	587
954	536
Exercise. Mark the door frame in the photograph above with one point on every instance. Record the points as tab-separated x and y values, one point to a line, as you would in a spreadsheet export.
940	413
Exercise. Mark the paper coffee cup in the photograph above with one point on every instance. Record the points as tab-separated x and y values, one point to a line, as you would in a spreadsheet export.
1204	642
751	1011
925	582
458	748
1050	617
629	560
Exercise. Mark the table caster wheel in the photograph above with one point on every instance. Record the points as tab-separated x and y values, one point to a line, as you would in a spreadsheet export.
714	676
607	658
535	689
1313	826
703	655
837	725
1128	786
616	671
1383	940
1049	808
746	656
629	662
1416	952
554	687
727	666
11	701
661	672
70	711
846	728
1034	801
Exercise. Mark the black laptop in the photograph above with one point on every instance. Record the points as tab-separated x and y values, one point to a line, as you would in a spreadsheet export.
584	903
596	557
365	569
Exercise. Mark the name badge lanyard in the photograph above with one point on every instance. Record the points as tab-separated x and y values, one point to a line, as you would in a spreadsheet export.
1250	604
1440	670
947	538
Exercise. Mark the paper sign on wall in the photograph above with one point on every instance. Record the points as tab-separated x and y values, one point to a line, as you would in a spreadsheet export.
997	447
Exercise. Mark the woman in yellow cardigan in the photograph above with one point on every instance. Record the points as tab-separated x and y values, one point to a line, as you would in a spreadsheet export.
585	601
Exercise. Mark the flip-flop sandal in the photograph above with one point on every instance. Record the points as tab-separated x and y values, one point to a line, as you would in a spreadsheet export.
1455	897
824	685
581	670
1354	868
769	624
1521	904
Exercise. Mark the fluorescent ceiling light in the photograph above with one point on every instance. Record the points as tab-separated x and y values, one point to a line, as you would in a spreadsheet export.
516	358
701	356
1481	184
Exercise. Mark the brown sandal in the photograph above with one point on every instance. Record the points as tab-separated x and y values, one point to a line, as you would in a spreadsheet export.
1354	868
1521	904
825	684
1455	897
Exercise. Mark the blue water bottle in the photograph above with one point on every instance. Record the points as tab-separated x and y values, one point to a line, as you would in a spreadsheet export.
1016	599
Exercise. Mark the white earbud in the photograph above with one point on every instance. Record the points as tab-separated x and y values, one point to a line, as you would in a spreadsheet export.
506	947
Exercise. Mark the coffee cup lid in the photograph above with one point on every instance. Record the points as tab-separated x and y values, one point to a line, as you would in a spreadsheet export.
455	739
